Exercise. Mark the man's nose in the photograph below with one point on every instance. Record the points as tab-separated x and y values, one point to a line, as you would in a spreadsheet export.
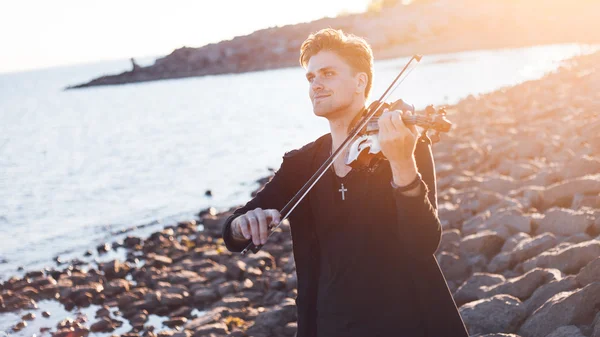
316	84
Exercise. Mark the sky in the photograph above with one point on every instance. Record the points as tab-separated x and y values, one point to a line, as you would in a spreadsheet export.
40	33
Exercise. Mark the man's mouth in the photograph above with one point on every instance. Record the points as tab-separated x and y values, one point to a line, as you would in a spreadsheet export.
321	96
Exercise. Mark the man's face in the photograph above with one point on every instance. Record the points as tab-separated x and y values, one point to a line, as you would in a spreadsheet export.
333	86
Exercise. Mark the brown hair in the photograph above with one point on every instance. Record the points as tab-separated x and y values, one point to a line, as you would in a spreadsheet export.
353	49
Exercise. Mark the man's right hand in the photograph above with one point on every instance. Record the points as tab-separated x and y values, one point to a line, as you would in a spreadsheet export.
255	224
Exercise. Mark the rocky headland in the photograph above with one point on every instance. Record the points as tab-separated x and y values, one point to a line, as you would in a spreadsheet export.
423	27
519	200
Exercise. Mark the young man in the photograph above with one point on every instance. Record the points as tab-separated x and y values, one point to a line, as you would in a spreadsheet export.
363	239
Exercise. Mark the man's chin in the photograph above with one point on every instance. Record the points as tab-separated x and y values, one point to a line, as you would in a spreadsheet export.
320	111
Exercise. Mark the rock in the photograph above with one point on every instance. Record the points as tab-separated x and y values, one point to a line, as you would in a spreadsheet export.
486	242
499	184
512	242
511	220
103	248
172	299
453	267
274	297
596	326
500	313
279	315
175	321
471	289
590	273
475	223
212	222
450	241
547	291
115	287
523	286
529	248
184	333
568	259
227	288
208	329
578	238
233	302
581	166
478	263
158	260
206	295
565	308
581	200
28	317
103	312
260	260
235	269
103	325
210	316
185	277
566	331
19	326
139	319
501	262
114	269
46	314
131	241
563	221
561	194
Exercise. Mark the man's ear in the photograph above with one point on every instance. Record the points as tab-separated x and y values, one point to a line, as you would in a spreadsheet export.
362	79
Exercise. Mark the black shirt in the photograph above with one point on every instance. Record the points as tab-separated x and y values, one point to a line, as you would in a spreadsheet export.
378	298
363	290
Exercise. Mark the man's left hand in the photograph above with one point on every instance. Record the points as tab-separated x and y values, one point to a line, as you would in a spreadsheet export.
397	140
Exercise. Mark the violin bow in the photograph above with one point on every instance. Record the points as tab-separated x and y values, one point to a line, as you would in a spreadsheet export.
295	201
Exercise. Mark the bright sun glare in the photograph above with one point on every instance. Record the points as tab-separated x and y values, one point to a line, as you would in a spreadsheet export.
40	33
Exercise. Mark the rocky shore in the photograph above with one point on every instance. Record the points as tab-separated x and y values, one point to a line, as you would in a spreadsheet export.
423	27
519	199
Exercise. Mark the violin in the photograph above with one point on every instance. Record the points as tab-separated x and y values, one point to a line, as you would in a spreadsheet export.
363	137
365	150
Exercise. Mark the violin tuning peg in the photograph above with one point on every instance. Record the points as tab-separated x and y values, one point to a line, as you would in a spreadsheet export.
442	111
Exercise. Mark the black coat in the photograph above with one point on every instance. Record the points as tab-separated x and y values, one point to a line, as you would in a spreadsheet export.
418	224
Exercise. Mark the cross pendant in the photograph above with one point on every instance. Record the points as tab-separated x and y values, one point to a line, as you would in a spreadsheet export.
343	190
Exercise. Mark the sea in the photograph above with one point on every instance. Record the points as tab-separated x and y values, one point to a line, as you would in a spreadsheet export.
79	168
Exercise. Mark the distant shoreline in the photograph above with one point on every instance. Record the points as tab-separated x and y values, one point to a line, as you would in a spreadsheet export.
427	28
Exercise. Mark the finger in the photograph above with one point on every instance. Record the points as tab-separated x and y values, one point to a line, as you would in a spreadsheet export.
396	120
411	126
275	217
399	124
384	123
243	226
254	227
263	230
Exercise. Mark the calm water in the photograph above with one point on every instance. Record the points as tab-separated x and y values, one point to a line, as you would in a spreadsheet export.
78	165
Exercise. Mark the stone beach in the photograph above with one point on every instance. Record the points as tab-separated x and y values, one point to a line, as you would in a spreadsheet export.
519	200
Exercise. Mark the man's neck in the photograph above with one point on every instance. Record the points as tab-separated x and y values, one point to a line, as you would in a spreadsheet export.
339	127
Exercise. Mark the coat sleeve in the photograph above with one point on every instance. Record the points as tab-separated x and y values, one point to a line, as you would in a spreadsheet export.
274	195
418	222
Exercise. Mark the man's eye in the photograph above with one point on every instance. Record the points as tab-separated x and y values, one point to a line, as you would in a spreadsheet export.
329	73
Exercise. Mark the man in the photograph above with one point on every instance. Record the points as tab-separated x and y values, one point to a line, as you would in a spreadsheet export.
363	239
